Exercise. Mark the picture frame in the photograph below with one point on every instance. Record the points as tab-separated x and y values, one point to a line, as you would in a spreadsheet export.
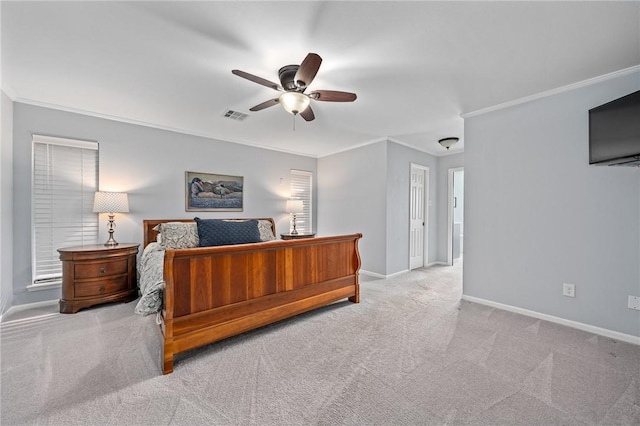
210	192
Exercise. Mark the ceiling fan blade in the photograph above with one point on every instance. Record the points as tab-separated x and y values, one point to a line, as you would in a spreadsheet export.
308	70
266	104
257	79
332	96
307	114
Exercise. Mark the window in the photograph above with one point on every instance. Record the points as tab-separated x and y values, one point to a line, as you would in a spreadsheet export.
300	188
65	178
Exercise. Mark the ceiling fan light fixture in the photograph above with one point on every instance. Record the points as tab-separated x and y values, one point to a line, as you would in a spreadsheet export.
295	79
294	102
448	142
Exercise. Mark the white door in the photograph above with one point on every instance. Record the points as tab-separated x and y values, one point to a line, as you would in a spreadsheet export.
418	216
455	220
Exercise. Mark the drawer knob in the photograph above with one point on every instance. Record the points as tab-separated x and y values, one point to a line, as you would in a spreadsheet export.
102	289
103	270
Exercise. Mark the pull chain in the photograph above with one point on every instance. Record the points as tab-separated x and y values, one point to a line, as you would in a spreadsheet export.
294	122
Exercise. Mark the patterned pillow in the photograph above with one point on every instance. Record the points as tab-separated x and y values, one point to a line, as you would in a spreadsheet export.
177	235
214	232
266	233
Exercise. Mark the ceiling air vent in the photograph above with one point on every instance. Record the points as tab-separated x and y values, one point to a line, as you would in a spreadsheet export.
235	115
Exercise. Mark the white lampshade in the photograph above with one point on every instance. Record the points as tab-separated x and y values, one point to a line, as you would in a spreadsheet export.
111	202
294	102
294	206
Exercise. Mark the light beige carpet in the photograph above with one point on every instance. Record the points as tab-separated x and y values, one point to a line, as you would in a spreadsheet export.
410	353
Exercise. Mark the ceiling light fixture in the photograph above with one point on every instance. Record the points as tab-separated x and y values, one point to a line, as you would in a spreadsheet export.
294	102
447	142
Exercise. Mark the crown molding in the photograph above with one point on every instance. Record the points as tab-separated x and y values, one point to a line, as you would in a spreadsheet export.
367	143
442	154
558	90
33	102
8	90
378	140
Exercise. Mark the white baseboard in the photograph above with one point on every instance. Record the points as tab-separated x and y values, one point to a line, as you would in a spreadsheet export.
376	275
371	274
437	262
19	308
395	274
569	323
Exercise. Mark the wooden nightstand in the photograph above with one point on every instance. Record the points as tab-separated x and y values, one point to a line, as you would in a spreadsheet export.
296	236
95	274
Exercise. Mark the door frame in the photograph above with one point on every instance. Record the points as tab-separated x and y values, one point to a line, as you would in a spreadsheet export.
450	196
425	189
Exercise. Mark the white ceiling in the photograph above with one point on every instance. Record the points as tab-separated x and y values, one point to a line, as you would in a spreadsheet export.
415	66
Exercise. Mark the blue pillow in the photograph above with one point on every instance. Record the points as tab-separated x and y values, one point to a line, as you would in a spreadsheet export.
215	232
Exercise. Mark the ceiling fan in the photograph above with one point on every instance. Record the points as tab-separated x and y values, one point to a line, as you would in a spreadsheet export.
294	80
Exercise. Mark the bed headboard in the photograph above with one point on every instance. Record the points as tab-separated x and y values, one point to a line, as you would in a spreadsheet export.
150	235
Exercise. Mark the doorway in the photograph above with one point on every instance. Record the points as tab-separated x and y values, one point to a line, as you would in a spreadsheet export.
419	217
455	215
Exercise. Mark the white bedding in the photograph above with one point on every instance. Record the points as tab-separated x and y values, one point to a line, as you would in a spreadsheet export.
151	270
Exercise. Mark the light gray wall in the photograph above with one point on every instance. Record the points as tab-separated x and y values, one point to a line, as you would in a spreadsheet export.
537	215
150	165
352	198
445	163
399	159
6	202
367	190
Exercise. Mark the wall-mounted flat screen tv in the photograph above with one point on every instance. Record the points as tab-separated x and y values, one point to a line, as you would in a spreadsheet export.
614	132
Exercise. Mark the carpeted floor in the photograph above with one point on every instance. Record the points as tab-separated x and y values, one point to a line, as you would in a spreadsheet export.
410	353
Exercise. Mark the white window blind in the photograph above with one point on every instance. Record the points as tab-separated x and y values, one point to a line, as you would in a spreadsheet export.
65	178
300	189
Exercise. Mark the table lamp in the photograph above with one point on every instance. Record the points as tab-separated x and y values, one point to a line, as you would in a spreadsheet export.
111	202
294	207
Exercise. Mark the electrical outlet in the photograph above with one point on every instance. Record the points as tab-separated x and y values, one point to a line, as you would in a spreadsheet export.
569	290
634	303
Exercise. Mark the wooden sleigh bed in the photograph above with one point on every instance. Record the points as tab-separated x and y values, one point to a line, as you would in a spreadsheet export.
212	293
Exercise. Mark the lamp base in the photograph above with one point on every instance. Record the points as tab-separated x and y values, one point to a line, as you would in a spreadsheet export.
111	242
295	231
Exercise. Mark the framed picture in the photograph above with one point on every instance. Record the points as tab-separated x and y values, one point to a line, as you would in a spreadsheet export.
213	193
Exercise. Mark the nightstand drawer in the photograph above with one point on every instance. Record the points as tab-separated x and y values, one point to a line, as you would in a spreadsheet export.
102	269
102	287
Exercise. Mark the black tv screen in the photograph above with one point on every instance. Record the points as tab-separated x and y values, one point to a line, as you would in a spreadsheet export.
614	132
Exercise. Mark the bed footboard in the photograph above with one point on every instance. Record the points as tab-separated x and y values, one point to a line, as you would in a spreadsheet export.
212	293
